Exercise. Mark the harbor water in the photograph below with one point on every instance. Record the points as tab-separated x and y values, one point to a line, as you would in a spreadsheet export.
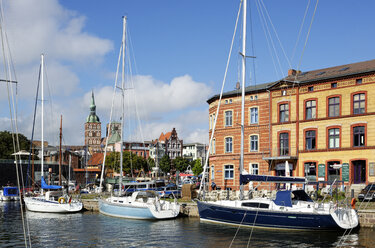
91	229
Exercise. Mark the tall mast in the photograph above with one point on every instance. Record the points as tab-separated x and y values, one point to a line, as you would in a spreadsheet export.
243	72
60	157
122	99
42	117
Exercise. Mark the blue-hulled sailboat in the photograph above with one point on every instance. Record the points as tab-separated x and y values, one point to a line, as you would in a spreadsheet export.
289	210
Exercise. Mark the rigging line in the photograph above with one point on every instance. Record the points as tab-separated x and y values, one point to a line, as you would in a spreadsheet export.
300	30
252	43
110	118
270	45
274	30
13	123
11	103
238	229
307	36
219	102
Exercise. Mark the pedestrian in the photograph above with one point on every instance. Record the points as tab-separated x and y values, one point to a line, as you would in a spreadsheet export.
213	185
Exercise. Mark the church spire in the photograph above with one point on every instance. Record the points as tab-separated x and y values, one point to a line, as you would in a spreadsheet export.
92	117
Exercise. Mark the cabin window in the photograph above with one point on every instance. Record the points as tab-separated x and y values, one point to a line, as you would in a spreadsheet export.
255	205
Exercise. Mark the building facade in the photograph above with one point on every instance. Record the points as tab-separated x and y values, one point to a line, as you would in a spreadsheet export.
93	129
194	151
318	122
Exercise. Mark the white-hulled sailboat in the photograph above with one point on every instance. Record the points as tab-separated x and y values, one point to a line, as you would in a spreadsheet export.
288	210
54	200
141	204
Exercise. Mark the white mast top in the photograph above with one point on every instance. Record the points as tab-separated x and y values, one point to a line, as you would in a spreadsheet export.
42	117
243	73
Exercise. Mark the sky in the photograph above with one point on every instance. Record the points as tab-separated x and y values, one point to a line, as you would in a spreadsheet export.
179	50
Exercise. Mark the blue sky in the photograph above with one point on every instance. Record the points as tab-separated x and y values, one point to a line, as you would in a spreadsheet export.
180	49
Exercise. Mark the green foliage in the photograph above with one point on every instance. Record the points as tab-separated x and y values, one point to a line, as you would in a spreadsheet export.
150	162
6	144
130	161
181	163
197	169
165	164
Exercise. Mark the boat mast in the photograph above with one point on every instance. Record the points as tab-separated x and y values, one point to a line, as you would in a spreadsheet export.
122	100
60	158
42	117
243	72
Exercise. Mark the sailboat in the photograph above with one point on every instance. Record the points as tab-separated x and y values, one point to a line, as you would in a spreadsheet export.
54	200
288	210
140	204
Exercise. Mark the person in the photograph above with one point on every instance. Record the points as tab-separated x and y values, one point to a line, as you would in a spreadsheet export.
213	185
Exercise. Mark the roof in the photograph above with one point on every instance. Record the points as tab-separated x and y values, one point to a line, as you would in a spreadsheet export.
96	159
165	136
333	72
308	77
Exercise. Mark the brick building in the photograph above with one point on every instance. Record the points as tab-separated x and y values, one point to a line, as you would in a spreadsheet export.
319	121
93	129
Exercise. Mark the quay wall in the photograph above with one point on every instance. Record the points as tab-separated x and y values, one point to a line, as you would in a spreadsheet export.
190	209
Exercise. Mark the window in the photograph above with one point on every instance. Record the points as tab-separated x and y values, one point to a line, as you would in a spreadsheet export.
284	112
358	81
310	109
228	172
228	144
210	123
212	172
334	138
253	115
333	85
310	89
254	143
213	146
310	137
230	100
333	170
333	106
254	169
359	101
284	144
310	171
226	101
228	118
358	136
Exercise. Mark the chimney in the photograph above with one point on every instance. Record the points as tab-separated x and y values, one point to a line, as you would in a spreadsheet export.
292	72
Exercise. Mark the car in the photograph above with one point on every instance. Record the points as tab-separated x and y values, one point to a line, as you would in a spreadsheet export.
170	191
368	193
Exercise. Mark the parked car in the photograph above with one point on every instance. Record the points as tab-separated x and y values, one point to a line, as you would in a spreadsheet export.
170	191
368	193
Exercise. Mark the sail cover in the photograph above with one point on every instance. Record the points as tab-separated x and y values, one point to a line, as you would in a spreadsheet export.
244	179
283	198
46	186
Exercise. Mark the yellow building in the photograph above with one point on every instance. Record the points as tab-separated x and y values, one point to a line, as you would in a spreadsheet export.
323	124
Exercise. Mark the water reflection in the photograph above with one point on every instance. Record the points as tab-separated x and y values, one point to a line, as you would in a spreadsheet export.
95	230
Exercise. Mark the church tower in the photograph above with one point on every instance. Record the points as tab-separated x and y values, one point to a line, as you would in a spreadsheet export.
93	129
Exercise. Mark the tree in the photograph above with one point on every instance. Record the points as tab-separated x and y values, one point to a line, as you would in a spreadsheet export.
6	144
181	163
165	164
150	162
197	169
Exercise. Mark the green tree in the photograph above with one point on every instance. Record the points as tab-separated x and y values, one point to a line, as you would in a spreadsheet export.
165	164
181	163
197	169
150	162
6	144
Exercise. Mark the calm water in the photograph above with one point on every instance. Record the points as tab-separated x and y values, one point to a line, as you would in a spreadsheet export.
95	230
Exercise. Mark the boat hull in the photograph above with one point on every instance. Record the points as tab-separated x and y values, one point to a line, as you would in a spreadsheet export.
36	204
209	212
136	211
